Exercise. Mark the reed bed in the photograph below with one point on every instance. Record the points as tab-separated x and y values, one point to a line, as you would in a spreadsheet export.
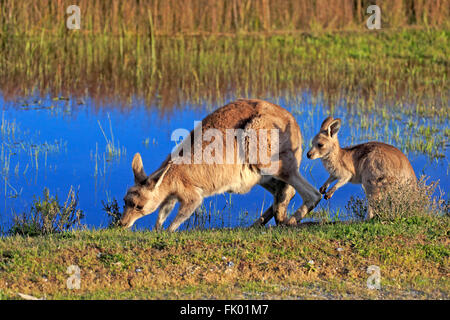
170	17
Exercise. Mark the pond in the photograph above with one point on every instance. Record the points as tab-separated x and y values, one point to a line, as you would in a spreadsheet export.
59	143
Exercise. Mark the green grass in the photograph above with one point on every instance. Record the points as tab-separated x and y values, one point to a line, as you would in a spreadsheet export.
270	263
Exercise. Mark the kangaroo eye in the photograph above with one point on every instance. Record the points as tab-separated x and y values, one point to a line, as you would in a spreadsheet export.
320	145
129	203
139	208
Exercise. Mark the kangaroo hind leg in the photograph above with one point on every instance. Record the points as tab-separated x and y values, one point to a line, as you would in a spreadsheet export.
282	195
310	196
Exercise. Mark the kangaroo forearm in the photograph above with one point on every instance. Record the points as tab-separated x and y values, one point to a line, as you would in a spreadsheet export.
339	184
327	183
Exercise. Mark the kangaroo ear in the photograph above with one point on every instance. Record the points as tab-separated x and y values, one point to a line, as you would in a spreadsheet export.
334	127
138	169
158	176
326	123
162	176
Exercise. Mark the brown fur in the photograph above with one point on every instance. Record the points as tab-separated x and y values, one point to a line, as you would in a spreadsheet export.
190	183
375	165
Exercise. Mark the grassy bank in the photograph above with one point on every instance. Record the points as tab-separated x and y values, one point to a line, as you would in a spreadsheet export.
316	261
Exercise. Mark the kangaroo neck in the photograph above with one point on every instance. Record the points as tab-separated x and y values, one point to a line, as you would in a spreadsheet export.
335	162
334	154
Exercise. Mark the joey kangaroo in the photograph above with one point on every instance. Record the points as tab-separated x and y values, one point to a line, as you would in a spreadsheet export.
375	165
188	183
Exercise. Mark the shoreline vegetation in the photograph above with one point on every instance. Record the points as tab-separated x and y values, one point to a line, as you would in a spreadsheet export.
197	52
403	69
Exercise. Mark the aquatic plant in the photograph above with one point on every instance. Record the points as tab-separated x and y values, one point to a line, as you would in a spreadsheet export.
20	150
113	148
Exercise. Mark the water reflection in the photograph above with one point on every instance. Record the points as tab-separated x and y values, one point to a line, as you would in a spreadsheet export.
59	143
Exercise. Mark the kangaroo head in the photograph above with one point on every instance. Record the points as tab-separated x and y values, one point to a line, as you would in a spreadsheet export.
145	196
326	140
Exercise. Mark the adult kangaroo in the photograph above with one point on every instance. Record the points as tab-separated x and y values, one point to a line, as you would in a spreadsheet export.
248	131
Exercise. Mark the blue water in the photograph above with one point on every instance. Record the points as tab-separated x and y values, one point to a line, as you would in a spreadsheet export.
76	128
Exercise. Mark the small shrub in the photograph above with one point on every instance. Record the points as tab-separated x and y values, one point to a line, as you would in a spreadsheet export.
403	201
48	216
357	208
111	207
